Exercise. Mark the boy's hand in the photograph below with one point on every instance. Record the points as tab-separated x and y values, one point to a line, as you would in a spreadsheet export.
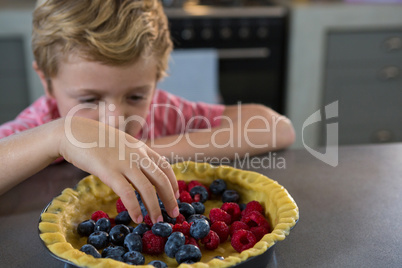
121	162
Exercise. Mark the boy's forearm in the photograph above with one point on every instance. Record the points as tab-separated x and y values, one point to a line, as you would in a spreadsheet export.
25	153
254	130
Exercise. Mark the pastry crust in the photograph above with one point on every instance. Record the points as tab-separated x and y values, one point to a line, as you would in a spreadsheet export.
58	223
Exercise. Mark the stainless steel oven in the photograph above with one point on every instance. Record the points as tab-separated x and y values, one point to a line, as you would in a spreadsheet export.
250	37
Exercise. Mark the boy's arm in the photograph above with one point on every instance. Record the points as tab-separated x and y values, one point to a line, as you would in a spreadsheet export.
251	128
77	140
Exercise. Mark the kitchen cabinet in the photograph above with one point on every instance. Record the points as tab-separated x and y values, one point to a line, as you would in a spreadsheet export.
349	55
13	83
19	84
363	73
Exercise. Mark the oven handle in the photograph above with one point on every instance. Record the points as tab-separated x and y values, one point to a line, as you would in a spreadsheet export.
243	53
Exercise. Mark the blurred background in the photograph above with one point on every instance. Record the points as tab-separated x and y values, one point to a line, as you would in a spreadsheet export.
294	56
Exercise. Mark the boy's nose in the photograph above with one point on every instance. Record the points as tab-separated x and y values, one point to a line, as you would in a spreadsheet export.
113	115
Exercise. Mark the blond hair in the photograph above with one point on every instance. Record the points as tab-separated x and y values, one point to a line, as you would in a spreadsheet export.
112	32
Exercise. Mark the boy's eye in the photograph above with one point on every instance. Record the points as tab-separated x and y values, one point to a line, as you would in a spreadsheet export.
88	100
136	97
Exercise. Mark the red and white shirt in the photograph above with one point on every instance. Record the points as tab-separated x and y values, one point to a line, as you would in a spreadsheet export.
168	115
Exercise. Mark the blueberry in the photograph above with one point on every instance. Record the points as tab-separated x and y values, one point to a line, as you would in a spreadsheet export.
115	257
91	250
199	229
198	207
86	228
131	228
123	218
219	257
142	206
186	209
188	254
137	194
200	193
134	258
113	252
161	205
195	217
98	239
218	186
162	229
133	242
158	264
118	233
167	218
174	242
230	196
141	229
144	210
242	206
102	224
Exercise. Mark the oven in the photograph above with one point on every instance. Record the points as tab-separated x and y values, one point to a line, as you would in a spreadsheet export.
250	40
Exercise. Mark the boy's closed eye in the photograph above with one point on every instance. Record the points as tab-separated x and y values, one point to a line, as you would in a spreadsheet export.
137	97
89	100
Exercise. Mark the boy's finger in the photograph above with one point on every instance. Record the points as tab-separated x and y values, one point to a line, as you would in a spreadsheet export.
148	194
163	186
126	192
165	166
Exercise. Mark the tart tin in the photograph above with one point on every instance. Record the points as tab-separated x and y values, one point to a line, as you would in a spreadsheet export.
257	261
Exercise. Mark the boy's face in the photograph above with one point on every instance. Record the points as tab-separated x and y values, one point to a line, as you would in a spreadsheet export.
117	92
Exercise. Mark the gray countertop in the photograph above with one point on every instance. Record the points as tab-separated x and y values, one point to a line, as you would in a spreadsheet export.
350	215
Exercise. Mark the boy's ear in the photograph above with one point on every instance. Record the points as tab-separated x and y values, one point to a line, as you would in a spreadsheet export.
43	79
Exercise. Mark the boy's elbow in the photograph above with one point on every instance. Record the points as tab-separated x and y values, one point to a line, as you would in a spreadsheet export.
285	133
282	131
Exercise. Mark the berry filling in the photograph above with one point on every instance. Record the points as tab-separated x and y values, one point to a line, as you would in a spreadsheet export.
183	238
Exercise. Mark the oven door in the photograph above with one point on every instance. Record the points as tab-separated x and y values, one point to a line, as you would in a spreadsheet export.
251	75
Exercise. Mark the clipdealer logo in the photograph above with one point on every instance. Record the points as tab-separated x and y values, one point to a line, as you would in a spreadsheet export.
330	156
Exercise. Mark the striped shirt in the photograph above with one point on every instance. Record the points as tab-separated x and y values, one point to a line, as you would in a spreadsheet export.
168	115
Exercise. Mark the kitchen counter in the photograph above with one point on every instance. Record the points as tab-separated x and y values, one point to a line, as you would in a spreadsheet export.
350	215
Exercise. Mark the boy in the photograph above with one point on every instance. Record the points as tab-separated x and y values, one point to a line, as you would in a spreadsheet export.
99	62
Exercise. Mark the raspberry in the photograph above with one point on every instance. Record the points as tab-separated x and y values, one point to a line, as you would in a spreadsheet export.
221	229
233	209
98	215
148	221
259	232
182	186
252	206
255	218
242	240
185	197
183	228
237	225
180	218
217	214
211	241
153	244
191	241
120	206
112	222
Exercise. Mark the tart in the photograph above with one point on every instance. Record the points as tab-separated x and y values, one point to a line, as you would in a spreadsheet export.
59	221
